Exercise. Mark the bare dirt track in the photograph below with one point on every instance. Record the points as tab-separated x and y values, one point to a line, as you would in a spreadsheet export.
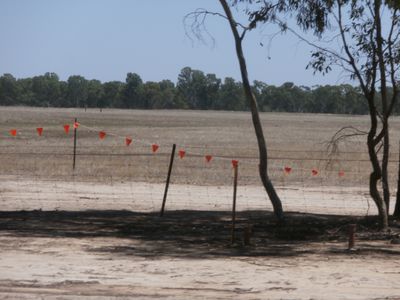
187	255
96	233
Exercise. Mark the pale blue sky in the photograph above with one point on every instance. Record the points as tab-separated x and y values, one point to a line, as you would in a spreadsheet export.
106	39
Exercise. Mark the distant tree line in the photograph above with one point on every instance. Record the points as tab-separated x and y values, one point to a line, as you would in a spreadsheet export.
194	90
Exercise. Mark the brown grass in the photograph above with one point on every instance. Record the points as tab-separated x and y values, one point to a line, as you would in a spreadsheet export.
295	140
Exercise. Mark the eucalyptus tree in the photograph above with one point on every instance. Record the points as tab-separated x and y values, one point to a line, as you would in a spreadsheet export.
9	91
132	94
368	35
77	91
195	22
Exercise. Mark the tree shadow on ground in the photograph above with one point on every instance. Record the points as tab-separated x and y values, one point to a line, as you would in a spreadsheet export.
197	234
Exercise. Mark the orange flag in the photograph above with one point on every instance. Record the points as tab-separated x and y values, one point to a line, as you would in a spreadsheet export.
39	131
287	170
154	147
13	132
102	135
341	173
66	128
314	172
76	125
128	141
208	158
235	163
181	153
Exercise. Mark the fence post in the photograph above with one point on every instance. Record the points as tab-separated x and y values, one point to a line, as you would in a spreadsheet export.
74	156
235	169
171	162
352	232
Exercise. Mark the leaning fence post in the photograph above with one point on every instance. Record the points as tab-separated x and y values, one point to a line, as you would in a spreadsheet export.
74	156
171	162
235	169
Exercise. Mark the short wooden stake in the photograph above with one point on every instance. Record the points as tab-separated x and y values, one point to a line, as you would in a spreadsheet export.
171	162
74	156
352	233
247	235
235	169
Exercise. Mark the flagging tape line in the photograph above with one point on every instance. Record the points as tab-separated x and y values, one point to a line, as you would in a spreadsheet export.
208	158
156	146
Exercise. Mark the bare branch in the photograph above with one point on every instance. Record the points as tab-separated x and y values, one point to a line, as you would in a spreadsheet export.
195	25
314	45
347	50
342	134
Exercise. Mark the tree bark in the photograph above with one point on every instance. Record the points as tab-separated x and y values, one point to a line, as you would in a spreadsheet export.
396	212
385	111
373	139
262	147
376	173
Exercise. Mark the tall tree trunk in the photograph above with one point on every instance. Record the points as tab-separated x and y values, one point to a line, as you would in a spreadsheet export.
376	173
396	212
263	166
385	109
369	92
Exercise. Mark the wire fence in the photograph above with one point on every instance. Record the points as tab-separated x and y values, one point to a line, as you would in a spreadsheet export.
41	177
38	174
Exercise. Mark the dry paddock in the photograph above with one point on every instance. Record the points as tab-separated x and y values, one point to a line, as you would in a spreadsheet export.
95	233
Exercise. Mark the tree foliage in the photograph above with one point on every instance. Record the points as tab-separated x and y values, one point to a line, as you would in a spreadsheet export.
367	38
194	90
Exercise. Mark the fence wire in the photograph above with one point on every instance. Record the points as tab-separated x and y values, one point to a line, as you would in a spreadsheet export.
40	176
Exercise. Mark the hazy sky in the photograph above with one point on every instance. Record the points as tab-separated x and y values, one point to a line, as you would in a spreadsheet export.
106	39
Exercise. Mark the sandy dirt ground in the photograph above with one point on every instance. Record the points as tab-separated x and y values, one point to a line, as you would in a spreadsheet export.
96	234
71	268
24	193
47	254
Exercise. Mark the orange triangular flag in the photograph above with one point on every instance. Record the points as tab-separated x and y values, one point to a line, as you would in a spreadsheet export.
39	131
128	141
13	132
66	128
235	163
76	125
102	135
314	172
181	153
341	173
208	158
154	147
287	170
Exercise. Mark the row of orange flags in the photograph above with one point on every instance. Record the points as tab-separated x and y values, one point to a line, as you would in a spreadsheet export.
181	153
314	172
128	141
39	130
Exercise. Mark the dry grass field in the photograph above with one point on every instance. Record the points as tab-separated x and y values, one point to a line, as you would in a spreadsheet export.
296	140
94	233
109	170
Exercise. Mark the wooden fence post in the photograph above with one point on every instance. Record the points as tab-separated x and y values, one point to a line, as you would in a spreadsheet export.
171	162
74	156
352	233
235	169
